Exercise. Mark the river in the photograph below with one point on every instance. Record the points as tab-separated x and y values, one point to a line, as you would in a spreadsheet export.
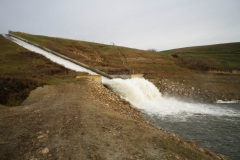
219	133
213	126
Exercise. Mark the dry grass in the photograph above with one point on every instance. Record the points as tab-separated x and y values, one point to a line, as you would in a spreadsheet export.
154	65
109	58
22	71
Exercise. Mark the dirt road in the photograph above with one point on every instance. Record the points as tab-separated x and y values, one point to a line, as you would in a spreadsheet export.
84	120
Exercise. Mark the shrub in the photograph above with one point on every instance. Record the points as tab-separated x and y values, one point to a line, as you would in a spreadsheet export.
13	90
194	63
152	50
174	55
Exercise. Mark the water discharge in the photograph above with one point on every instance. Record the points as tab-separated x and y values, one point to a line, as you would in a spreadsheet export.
213	126
145	96
51	56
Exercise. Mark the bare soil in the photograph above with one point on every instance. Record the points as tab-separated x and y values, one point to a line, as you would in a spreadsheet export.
84	120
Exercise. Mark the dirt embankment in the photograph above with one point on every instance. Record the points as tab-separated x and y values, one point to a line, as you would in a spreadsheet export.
200	88
84	120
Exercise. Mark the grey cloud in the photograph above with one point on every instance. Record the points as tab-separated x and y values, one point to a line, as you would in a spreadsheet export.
139	24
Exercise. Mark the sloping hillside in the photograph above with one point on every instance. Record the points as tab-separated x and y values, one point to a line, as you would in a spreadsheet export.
176	76
22	71
111	59
219	57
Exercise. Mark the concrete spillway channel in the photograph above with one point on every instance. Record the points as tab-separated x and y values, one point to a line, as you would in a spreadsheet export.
96	71
90	70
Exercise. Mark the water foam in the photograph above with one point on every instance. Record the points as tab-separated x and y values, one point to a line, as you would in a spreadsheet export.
145	96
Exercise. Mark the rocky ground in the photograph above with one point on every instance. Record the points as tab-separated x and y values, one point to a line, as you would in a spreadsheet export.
84	120
185	92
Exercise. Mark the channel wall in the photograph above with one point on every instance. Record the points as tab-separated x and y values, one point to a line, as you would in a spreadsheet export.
64	57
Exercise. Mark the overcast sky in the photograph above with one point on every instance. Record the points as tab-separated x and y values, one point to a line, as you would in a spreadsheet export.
142	24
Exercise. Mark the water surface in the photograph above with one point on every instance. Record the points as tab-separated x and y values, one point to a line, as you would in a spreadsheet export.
213	126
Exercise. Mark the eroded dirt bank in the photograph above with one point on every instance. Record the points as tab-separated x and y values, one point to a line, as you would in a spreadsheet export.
84	120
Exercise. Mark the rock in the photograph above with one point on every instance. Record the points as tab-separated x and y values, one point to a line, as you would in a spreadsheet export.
165	93
42	136
171	89
45	150
201	150
190	95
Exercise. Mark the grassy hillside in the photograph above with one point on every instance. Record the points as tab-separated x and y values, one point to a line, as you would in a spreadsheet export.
157	66
22	71
109	58
219	57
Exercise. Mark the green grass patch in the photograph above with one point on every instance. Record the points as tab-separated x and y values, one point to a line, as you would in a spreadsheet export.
219	57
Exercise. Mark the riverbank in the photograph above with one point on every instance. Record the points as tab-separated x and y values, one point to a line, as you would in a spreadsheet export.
157	67
84	120
207	93
26	127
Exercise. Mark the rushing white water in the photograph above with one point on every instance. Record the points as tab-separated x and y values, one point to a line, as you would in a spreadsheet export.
145	96
141	93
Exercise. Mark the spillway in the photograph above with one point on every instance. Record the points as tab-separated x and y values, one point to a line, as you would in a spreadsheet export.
212	126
